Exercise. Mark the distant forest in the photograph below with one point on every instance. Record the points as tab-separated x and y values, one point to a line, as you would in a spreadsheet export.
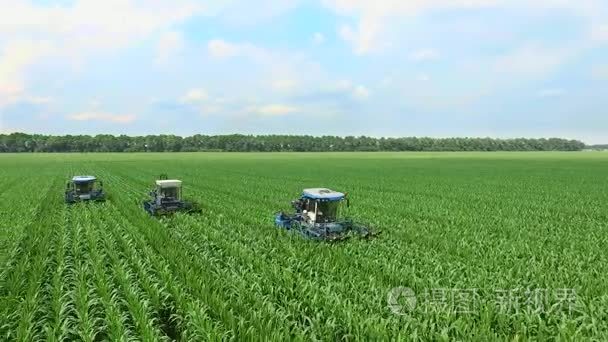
21	142
598	147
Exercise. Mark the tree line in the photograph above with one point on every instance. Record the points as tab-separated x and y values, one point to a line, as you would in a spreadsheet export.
598	147
21	142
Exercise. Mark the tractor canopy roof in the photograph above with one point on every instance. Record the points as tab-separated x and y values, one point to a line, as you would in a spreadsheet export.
83	179
322	194
169	183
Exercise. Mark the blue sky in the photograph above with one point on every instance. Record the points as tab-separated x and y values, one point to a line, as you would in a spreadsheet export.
500	68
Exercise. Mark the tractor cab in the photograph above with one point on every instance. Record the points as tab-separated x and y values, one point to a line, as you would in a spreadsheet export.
84	188
166	198
319	205
318	216
168	191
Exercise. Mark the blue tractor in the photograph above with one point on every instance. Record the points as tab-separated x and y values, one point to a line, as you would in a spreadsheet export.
317	217
84	188
166	198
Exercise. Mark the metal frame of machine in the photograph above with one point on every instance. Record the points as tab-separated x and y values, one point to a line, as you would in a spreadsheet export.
166	198
317	217
83	188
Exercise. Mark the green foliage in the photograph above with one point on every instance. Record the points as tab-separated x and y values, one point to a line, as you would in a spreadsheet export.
20	142
489	222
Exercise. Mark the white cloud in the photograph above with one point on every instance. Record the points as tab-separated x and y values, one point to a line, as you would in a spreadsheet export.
274	110
374	17
169	44
219	106
284	84
381	8
318	38
76	31
424	55
422	77
363	38
211	109
94	24
343	85
340	89
95	103
600	72
532	61
102	116
15	58
196	95
222	49
551	92
8	88
361	93
386	82
242	13
276	70
599	33
357	92
384	8
18	54
244	107
38	100
9	93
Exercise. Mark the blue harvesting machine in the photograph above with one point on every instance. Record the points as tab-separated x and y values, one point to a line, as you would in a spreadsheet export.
84	189
317	217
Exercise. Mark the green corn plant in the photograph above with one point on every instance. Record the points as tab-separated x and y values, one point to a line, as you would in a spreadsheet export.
450	221
114	326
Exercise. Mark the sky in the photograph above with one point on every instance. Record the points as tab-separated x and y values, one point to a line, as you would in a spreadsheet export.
438	68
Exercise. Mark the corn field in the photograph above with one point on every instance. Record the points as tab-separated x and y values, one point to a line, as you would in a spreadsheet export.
496	246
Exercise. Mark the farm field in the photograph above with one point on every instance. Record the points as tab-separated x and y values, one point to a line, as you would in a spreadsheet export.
493	246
